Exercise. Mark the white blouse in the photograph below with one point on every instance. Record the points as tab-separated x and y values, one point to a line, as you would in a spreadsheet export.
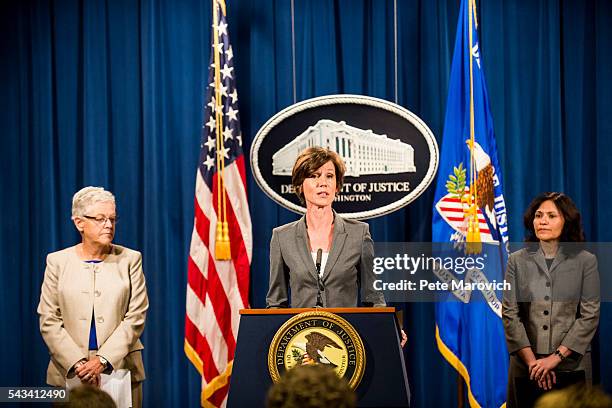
324	257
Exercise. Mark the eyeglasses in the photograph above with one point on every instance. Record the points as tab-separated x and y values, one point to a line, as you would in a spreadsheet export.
102	220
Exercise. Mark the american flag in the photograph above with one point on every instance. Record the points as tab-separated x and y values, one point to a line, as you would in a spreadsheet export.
218	289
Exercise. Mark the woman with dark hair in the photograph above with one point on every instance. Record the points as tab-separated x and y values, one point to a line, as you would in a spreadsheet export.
324	258
552	310
572	223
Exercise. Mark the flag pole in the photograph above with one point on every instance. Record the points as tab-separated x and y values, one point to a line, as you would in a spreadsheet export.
460	390
222	243
473	242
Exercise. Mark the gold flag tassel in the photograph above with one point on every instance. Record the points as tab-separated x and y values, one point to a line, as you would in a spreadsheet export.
473	241
222	240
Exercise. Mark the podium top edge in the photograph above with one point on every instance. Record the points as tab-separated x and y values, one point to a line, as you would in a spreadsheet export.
337	310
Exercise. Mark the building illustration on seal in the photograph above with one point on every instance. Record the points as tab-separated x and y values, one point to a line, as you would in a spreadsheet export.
363	151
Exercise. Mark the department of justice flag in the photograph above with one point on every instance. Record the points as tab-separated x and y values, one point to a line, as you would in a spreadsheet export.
470	212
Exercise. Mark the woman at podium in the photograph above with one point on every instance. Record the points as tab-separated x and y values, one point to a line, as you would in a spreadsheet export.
321	260
552	310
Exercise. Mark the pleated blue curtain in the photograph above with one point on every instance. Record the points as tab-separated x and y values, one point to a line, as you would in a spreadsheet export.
111	93
550	81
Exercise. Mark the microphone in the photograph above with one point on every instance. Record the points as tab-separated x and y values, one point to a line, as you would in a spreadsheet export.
320	287
318	263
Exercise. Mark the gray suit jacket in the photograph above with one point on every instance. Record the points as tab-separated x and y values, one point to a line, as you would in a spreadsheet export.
348	269
547	308
114	289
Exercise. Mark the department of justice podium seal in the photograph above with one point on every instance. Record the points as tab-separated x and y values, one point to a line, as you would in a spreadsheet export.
326	338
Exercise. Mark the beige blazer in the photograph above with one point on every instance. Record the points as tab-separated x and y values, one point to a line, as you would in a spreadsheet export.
114	289
349	267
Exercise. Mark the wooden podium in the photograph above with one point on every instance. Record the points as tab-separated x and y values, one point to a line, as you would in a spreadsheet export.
384	382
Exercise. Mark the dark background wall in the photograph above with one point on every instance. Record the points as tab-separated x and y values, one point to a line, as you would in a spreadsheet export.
111	92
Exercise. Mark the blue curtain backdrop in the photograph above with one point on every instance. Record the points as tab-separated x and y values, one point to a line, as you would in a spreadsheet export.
111	92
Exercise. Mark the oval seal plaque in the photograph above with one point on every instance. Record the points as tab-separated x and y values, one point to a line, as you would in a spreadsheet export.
327	339
390	154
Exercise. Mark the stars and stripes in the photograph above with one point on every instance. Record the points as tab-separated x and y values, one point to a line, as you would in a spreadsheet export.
218	289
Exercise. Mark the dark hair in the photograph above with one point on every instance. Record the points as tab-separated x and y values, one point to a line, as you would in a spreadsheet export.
311	386
309	161
572	228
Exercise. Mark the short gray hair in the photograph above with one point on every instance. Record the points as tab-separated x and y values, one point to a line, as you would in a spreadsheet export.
88	196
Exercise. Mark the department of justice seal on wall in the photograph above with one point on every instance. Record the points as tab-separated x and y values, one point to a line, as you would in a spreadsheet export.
325	338
391	155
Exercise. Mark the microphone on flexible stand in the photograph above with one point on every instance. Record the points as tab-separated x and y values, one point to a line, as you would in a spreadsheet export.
320	287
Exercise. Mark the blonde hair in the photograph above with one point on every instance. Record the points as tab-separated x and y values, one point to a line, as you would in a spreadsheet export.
575	396
88	196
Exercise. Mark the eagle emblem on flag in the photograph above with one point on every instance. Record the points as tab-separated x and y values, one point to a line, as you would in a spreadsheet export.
456	206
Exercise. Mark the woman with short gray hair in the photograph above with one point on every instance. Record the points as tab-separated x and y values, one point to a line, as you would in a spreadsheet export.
93	300
88	196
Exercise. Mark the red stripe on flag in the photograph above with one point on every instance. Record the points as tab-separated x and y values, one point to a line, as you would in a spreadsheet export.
200	345
196	280
218	396
458	219
202	224
462	219
450	209
241	169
